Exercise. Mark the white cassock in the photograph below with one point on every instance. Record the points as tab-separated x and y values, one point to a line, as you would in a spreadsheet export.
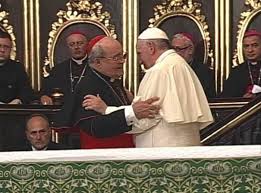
184	107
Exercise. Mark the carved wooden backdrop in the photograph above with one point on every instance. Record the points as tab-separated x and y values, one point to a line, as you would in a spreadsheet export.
221	24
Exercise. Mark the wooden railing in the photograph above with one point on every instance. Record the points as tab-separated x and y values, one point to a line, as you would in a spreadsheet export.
241	111
228	113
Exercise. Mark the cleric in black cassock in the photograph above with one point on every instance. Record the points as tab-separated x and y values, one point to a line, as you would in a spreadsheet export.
92	123
246	75
108	128
96	130
66	75
239	81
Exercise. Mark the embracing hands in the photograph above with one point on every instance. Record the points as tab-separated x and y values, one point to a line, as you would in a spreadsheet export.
95	103
146	109
142	109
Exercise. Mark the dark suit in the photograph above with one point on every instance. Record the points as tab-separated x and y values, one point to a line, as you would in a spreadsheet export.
14	83
51	146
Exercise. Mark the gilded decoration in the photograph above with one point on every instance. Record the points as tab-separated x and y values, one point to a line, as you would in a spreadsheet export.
78	11
190	176
184	8
4	25
253	9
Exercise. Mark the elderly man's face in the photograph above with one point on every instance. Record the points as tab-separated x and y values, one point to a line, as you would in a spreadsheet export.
38	132
184	48
111	64
252	48
144	54
77	44
5	49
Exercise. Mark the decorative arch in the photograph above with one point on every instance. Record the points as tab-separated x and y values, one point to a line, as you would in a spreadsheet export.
253	9
189	9
5	26
78	12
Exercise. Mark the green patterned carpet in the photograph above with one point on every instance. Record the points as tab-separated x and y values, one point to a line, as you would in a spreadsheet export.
179	176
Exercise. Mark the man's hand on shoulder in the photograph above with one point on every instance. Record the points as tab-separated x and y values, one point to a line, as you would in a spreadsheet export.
95	103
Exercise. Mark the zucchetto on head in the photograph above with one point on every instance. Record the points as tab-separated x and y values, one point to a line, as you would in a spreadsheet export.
186	35
76	33
252	32
94	41
153	33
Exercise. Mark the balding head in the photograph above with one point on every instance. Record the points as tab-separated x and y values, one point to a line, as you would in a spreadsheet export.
38	131
100	48
107	57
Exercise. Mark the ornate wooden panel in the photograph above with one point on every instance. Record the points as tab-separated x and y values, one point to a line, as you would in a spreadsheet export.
225	23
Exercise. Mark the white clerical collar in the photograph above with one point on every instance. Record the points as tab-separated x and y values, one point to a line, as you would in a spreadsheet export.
114	79
80	61
253	63
34	149
160	58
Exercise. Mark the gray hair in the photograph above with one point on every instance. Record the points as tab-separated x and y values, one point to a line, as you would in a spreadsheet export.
96	52
181	36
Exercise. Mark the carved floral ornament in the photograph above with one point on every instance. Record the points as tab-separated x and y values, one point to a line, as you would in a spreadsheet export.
184	8
78	11
253	9
4	25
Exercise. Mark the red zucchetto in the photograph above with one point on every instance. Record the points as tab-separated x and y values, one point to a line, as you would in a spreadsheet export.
94	41
186	35
76	32
252	32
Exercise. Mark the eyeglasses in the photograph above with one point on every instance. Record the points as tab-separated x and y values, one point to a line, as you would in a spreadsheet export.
118	57
76	44
178	49
5	47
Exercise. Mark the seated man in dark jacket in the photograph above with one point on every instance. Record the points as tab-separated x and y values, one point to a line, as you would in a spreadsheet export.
15	86
65	76
38	134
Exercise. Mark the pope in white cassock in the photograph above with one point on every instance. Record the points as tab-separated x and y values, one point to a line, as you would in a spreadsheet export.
184	109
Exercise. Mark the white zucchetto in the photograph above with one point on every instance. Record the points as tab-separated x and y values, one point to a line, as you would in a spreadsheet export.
153	33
